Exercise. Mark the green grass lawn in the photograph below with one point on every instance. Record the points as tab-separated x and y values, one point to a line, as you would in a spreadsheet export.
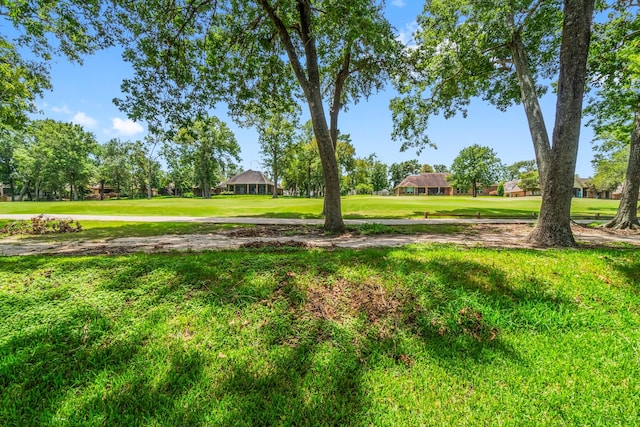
108	230
289	207
423	335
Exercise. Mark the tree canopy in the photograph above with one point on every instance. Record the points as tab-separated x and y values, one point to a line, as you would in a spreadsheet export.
210	144
614	107
503	52
189	55
475	165
45	28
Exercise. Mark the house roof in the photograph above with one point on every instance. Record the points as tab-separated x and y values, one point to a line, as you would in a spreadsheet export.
579	182
426	180
512	186
248	177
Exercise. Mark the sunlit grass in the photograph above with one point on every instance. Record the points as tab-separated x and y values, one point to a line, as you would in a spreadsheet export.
107	230
292	207
424	335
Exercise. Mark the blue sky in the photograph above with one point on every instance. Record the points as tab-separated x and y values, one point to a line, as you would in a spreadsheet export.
83	95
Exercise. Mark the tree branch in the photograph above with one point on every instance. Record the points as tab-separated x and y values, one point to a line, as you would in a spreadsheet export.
285	37
336	105
530	12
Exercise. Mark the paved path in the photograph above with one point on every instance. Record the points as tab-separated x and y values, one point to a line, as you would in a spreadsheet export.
483	232
271	221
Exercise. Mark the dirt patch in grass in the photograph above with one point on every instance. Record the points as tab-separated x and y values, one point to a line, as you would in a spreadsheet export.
261	244
281	236
343	298
275	231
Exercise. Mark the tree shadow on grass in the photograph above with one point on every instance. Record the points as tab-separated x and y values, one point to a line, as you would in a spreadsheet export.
484	212
630	269
316	323
287	215
41	365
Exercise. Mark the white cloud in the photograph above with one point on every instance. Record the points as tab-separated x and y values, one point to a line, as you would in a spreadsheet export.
398	3
126	127
405	36
82	119
64	109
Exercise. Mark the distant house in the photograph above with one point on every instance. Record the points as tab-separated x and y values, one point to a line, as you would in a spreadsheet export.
249	182
512	189
432	184
106	190
581	189
617	193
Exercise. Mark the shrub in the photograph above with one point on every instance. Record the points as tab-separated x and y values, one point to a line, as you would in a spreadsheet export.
364	189
42	225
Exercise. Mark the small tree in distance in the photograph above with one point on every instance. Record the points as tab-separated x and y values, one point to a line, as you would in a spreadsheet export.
212	144
475	165
440	168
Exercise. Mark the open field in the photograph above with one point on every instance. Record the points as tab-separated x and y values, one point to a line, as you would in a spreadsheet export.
353	207
431	335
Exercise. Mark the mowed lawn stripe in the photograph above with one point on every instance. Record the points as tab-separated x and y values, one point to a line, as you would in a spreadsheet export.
292	207
422	335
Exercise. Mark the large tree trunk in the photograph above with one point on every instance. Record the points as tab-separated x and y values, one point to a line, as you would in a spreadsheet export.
206	189
627	215
558	169
332	202
309	180
275	178
149	192
535	119
308	75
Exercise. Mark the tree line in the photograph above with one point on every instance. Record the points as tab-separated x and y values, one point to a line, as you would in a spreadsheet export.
264	59
52	160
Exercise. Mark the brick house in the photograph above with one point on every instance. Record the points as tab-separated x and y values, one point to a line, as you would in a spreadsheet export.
249	182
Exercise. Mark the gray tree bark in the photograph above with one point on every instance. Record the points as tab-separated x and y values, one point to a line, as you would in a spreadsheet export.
558	171
535	119
308	76
627	214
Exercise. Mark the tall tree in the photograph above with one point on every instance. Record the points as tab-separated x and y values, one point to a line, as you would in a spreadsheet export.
615	105
145	168
379	173
46	28
475	165
55	156
194	53
346	155
115	165
21	82
502	52
529	181
213	145
440	168
179	161
304	172
514	170
399	171
276	134
426	168
10	141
